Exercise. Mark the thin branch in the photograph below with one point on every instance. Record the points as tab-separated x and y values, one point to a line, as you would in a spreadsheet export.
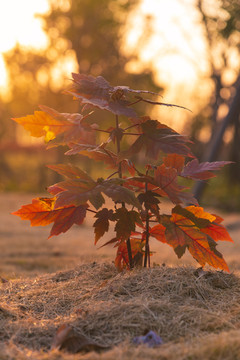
118	148
164	104
108	153
131	126
116	172
105	131
135	102
93	211
132	134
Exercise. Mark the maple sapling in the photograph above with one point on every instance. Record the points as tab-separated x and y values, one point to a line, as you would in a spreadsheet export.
135	193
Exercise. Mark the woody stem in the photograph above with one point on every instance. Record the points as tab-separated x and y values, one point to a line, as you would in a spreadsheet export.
147	248
123	204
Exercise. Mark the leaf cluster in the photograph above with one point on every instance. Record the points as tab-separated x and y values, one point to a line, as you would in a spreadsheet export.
136	194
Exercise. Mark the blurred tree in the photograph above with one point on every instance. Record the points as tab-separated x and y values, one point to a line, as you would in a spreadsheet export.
221	23
92	29
26	90
84	35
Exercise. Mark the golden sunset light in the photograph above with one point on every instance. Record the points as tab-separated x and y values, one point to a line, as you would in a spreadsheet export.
176	50
120	179
18	25
167	41
176	57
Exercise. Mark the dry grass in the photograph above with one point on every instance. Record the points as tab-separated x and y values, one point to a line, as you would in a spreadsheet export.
197	316
27	251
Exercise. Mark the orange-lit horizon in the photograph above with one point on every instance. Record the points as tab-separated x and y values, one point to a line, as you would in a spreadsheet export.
18	25
175	51
28	33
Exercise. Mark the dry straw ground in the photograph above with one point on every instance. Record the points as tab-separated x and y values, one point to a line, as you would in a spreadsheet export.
55	282
197	315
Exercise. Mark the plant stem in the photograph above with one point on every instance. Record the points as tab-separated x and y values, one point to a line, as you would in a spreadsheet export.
109	177
136	134
131	126
129	249
123	204
164	104
134	102
100	130
118	149
93	211
147	249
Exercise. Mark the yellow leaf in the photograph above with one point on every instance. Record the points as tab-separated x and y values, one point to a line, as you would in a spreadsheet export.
42	124
200	213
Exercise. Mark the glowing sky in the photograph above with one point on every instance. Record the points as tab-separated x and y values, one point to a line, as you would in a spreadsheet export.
18	25
175	51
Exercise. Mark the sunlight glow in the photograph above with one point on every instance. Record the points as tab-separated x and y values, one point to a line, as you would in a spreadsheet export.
63	69
3	75
18	25
166	37
176	51
174	48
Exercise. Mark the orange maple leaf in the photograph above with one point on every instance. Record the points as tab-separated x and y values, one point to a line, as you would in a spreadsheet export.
42	212
209	224
182	233
122	260
50	123
174	161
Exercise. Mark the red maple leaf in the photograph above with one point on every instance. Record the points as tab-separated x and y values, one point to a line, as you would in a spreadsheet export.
97	92
42	212
182	233
101	225
79	188
155	137
122	259
201	171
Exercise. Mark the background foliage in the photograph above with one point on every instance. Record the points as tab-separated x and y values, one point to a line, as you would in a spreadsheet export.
92	34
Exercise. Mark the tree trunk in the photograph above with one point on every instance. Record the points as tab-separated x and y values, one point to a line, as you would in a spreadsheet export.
216	142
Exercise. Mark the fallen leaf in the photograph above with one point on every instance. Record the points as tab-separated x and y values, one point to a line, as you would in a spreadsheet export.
67	339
